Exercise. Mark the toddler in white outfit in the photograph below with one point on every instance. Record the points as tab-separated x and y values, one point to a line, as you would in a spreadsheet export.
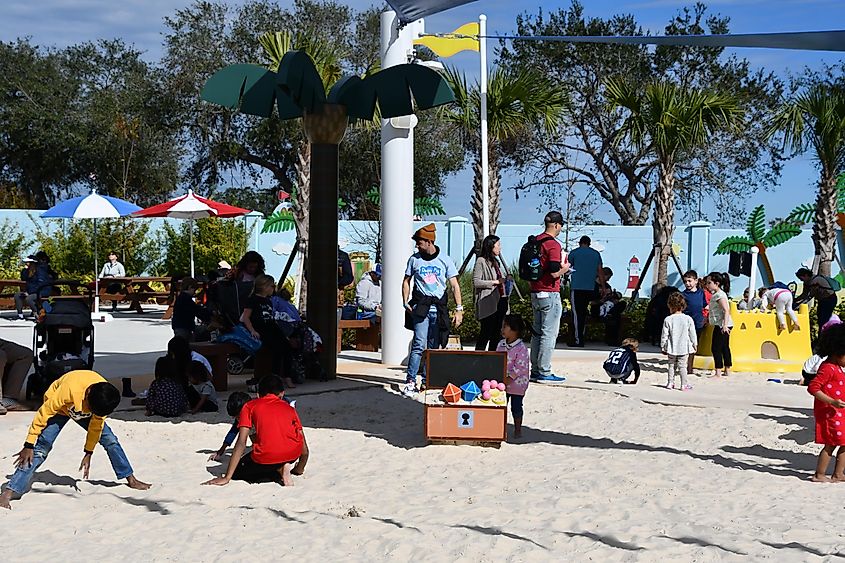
678	340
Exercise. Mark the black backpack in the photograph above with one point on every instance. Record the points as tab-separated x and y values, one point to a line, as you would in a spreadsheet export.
530	268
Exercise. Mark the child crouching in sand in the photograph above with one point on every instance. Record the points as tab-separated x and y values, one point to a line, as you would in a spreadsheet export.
87	398
622	362
519	367
828	387
678	340
278	443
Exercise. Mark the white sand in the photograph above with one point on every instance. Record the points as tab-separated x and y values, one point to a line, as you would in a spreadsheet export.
598	476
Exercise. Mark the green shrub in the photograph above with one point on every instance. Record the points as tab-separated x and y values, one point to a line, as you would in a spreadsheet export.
214	240
13	246
71	249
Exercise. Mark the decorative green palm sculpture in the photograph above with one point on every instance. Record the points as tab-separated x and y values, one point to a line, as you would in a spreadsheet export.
296	90
755	228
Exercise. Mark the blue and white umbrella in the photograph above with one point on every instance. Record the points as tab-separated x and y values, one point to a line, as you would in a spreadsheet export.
92	206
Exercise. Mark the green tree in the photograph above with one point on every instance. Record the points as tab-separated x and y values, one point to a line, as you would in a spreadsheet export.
13	245
517	101
90	114
672	122
757	235
587	151
214	240
815	120
71	247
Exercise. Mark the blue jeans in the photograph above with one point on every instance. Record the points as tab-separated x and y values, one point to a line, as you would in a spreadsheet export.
23	475
547	311
425	336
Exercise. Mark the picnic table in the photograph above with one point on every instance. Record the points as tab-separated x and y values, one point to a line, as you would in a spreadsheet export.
134	289
8	289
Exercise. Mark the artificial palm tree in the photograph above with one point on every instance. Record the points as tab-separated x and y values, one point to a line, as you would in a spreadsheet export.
816	118
517	102
297	90
672	122
757	235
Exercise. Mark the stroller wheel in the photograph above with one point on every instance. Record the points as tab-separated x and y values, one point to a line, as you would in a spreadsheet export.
235	365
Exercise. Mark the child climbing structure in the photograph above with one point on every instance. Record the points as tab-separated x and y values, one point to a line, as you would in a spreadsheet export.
758	344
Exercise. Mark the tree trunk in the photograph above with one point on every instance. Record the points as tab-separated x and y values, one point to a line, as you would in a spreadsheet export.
664	221
765	266
824	232
476	212
300	214
324	130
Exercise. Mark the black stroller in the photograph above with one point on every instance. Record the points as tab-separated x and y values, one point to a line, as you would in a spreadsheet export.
62	341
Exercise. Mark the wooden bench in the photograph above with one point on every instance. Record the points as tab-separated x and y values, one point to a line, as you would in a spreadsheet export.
367	334
8	289
217	354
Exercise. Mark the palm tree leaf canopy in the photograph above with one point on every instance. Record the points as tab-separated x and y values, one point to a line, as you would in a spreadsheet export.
299	78
252	88
815	118
734	244
781	233
755	226
802	214
395	90
279	222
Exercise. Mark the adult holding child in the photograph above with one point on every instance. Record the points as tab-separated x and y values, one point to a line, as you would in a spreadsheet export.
491	297
545	299
424	292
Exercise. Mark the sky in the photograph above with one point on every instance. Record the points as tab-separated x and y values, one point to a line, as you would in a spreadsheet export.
140	23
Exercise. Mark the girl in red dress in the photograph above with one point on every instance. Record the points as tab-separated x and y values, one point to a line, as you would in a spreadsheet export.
828	388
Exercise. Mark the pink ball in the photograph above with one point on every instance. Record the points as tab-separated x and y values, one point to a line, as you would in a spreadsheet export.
501	387
486	395
485	386
494	383
485	382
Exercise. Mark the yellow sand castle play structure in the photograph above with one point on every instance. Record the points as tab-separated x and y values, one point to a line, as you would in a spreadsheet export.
757	344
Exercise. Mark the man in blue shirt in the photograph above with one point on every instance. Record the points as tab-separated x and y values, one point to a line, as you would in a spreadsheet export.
586	267
428	273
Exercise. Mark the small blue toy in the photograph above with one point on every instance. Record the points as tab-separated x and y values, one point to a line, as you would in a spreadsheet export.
470	391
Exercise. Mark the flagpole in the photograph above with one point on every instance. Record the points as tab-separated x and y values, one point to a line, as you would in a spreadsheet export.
485	167
96	274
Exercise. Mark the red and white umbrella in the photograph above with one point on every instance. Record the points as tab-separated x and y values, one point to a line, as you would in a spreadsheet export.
191	206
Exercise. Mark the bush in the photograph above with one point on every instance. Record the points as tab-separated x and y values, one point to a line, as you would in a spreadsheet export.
214	240
13	246
71	250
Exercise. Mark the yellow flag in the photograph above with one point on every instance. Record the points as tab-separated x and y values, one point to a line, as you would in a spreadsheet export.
447	46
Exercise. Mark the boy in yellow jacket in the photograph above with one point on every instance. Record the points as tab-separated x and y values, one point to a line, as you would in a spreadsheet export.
86	398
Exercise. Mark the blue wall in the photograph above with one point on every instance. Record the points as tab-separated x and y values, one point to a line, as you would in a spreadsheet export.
617	244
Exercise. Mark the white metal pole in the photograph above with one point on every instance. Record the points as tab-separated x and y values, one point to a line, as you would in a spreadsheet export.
485	165
96	274
753	279
191	228
397	200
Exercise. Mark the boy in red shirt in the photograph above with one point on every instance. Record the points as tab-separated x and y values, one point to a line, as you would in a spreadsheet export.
278	442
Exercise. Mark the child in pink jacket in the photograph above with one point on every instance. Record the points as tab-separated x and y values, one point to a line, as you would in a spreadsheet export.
519	367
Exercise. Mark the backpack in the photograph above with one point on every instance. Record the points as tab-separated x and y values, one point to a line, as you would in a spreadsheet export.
833	283
617	362
530	266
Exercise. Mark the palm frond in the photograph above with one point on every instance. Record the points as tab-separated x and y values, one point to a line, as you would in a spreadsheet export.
802	214
781	233
275	45
755	226
428	206
373	195
279	222
734	244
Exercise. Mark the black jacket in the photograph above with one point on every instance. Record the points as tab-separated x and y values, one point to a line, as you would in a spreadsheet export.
420	305
185	310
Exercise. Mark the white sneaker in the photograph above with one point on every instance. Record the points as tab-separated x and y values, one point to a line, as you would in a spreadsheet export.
409	389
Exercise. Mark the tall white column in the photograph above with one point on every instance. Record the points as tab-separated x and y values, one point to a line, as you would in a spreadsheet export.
485	165
397	201
752	280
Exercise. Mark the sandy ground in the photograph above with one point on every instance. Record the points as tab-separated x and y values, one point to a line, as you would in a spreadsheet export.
603	473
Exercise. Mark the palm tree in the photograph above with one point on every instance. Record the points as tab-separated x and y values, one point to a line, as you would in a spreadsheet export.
816	118
673	122
327	59
297	90
755	229
517	101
